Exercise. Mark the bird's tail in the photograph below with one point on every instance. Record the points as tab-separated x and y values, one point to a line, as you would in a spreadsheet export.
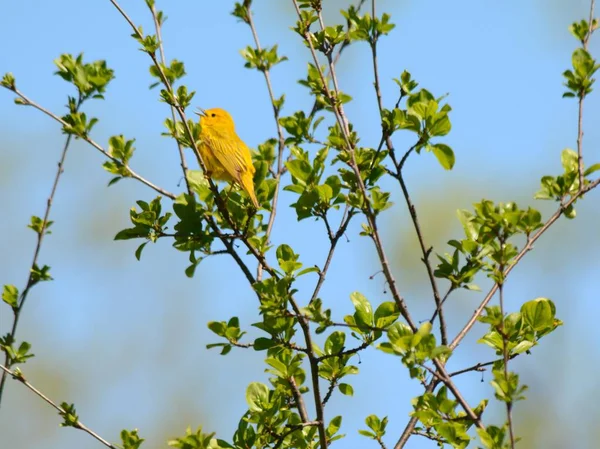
247	184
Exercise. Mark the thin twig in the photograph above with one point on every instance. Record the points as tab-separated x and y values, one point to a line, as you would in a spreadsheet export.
429	436
581	98
480	367
442	302
292	429
345	44
457	394
381	443
411	207
299	400
346	352
158	28
40	237
97	146
332	384
334	239
412	422
505	355
314	372
281	139
426	252
78	424
343	124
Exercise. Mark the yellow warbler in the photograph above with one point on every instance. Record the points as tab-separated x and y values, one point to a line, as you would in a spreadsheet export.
226	156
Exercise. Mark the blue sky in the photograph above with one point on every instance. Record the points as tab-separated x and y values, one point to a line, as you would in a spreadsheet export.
125	340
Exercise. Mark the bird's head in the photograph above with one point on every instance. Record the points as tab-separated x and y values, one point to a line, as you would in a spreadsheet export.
216	119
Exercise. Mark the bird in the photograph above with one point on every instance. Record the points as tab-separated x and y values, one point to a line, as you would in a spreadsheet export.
225	155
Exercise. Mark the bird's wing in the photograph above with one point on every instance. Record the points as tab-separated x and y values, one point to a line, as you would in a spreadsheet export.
231	158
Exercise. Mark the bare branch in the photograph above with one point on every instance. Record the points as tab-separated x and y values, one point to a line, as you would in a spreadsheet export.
299	400
78	425
581	98
97	146
40	237
334	239
158	28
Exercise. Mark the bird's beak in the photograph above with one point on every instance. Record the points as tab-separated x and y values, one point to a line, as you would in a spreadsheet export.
201	112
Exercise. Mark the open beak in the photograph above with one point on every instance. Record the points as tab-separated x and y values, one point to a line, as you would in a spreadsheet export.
201	112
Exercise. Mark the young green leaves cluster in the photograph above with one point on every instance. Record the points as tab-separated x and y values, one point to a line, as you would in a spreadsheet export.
415	348
148	223
518	332
315	198
487	246
579	80
90	80
263	59
365	27
510	335
561	187
440	419
422	116
121	150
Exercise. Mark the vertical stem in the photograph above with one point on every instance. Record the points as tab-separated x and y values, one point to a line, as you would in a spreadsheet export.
30	281
163	59
340	116
506	358
314	373
281	140
581	98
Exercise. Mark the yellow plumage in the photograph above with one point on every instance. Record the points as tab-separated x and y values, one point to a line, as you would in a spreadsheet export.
226	156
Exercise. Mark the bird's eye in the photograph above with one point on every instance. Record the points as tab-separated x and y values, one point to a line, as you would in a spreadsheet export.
213	115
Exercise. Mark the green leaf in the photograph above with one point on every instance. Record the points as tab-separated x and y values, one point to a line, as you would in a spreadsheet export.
262	343
10	295
257	396
138	251
300	170
334	425
287	259
386	314
346	389
335	343
364	311
539	313
444	155
131	439
591	169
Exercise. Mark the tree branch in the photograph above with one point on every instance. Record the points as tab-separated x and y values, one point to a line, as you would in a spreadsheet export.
505	356
581	98
78	424
334	239
281	138
343	123
158	27
40	237
132	174
411	207
314	372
